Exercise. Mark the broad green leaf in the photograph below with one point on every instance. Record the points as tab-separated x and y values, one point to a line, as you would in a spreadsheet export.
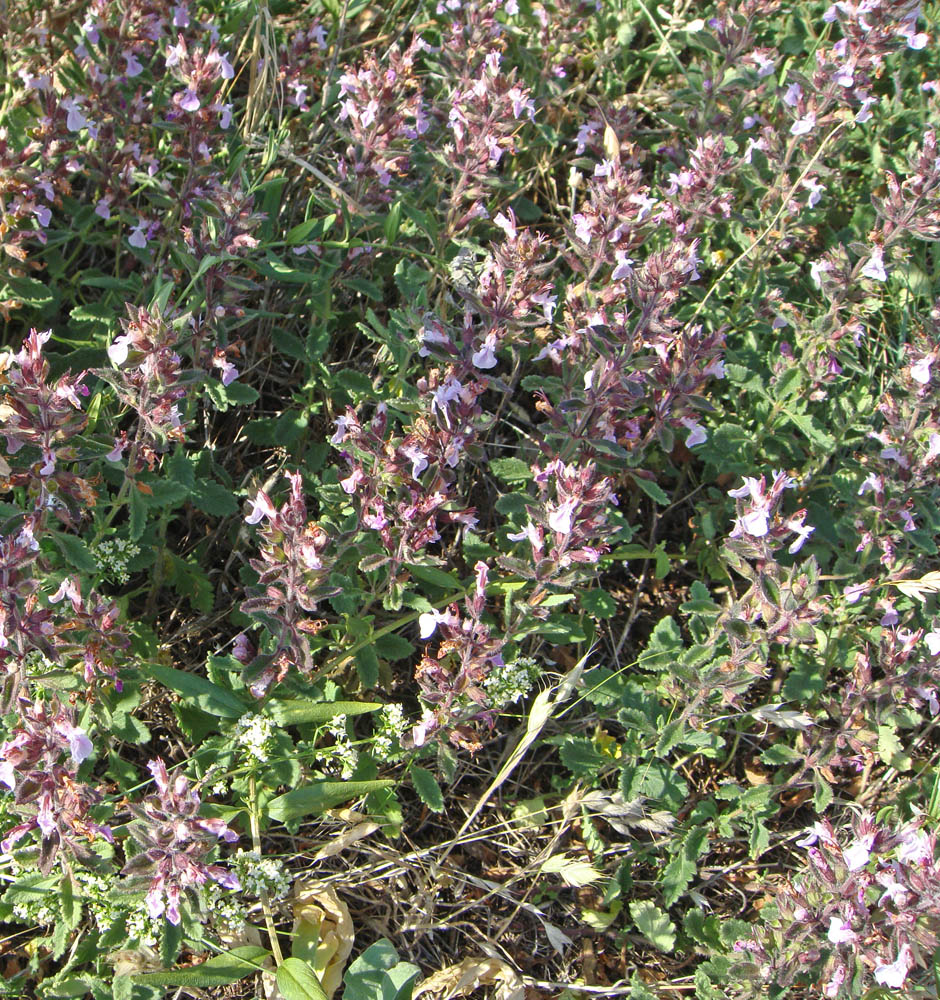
218	971
294	712
653	490
654	925
314	799
78	557
297	981
200	692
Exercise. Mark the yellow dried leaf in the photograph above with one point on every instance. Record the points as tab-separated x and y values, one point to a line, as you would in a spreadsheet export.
323	932
465	977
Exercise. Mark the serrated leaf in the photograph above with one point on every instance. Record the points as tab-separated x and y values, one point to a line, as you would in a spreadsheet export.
511	470
598	603
653	490
654	925
213	498
682	868
428	789
297	981
315	799
580	756
77	555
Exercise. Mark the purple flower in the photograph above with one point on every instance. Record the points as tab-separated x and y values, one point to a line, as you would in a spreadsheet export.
261	507
75	120
697	433
804	125
134	67
138	237
187	100
792	95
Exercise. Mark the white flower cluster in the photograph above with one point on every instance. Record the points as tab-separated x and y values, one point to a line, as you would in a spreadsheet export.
390	727
510	682
342	753
143	929
258	874
113	555
255	733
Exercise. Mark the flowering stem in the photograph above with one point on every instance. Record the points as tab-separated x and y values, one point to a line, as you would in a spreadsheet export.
744	254
256	844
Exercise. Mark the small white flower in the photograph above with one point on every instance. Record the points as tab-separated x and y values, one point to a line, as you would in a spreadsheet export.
920	370
875	268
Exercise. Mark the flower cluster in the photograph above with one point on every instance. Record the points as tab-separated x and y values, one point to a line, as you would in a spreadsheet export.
148	379
39	765
174	842
44	417
404	485
565	527
293	571
382	111
453	681
862	912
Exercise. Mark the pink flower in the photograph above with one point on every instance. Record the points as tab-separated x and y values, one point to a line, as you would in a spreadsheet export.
857	854
117	452
485	357
261	507
893	975
840	931
854	592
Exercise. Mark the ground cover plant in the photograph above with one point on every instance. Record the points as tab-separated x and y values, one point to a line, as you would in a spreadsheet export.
469	496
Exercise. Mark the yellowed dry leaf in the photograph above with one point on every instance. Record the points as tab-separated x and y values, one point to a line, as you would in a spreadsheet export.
344	840
462	979
323	932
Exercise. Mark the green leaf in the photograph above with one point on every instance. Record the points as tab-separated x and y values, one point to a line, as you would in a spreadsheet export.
77	554
511	470
654	925
652	490
393	647
138	513
428	789
218	971
681	870
891	750
297	711
433	575
580	756
312	800
378	974
598	603
213	498
200	691
367	666
297	981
